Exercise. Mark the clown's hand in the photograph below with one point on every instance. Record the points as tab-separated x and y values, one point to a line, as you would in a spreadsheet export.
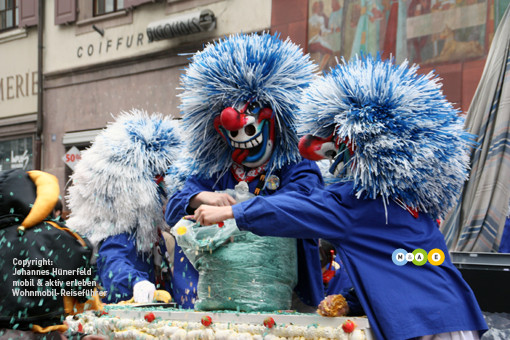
218	199
143	291
208	214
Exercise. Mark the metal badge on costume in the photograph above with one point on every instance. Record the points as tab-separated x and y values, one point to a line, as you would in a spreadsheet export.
273	182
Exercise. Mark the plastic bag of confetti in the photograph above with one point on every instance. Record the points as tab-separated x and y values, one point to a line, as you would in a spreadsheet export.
239	270
195	239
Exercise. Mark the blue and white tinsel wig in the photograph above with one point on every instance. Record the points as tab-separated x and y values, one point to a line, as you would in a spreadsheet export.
114	188
233	70
408	141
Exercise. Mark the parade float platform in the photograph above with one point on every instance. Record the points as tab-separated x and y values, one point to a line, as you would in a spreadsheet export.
155	322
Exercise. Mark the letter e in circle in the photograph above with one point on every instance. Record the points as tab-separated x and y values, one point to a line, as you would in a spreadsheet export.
436	257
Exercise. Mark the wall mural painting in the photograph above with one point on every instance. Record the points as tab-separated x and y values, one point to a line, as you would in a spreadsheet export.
422	31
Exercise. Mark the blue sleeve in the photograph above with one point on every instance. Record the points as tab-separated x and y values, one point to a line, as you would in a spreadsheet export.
294	214
178	204
119	267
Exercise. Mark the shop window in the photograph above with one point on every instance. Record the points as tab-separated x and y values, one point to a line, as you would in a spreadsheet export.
16	154
102	7
103	13
8	14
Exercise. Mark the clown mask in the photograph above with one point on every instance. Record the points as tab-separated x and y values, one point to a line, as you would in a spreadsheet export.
338	151
249	131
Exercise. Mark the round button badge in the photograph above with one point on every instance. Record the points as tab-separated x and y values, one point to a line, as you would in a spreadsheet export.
273	182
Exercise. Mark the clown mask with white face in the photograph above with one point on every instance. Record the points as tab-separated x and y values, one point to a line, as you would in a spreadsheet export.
338	151
249	131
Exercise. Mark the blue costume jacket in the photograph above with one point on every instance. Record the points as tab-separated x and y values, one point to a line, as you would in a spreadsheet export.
301	177
401	302
120	267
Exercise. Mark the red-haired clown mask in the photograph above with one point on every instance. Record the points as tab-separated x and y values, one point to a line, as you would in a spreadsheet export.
249	131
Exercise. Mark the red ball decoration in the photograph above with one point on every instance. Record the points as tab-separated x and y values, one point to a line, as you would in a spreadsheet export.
206	321
100	313
269	322
348	326
149	317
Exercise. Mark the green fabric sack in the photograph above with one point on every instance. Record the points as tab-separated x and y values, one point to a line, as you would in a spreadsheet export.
239	270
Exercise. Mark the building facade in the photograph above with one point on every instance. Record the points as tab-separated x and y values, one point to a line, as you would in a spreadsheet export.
18	86
98	58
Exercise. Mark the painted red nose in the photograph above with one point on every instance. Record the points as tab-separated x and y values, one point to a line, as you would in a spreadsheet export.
232	120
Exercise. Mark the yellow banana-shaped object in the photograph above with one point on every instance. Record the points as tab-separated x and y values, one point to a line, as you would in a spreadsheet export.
162	296
48	190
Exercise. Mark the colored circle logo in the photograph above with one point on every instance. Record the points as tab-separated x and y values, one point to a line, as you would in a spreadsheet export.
436	257
399	257
420	257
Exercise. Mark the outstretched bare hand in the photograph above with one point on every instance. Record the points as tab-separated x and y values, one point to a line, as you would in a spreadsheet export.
208	214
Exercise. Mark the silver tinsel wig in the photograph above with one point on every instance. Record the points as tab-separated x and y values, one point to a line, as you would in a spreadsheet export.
242	67
408	141
114	189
